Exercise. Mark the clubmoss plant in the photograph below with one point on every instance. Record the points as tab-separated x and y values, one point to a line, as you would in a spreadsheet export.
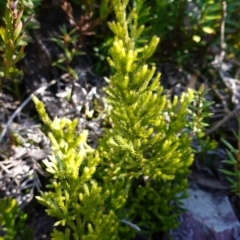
149	146
143	159
202	145
144	119
12	221
74	197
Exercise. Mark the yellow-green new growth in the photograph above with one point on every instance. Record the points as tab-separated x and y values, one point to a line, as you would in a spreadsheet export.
146	124
144	157
12	221
147	154
75	198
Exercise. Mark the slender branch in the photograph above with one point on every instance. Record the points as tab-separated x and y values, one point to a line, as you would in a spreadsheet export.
222	29
222	121
224	15
19	109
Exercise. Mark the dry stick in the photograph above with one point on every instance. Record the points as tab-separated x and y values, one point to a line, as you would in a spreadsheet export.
131	225
19	109
222	55
233	61
224	102
227	117
221	122
222	30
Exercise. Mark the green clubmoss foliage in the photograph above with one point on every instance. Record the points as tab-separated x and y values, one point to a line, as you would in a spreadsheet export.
149	146
12	221
143	160
75	198
147	126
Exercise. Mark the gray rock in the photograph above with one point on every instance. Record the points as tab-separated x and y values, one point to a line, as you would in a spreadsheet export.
209	217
